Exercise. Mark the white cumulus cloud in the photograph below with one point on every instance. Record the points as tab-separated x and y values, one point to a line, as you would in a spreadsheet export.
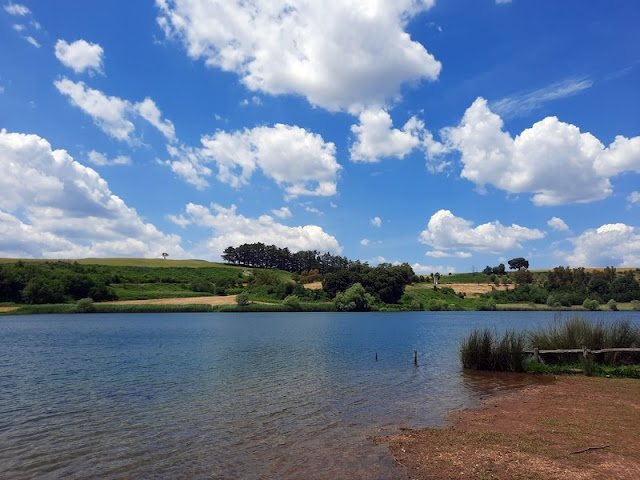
634	197
299	161
445	231
283	212
615	245
376	139
80	55
376	222
114	115
558	224
553	160
101	159
56	207
302	48
420	269
230	228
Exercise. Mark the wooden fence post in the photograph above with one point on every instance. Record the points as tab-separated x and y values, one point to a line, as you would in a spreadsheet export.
536	355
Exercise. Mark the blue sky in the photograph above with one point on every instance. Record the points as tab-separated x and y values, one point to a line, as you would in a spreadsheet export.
447	134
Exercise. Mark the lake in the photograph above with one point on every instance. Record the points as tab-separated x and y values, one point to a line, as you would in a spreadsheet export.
246	396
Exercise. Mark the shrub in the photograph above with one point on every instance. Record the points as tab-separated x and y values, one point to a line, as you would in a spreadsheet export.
293	302
590	304
354	299
85	305
612	305
242	299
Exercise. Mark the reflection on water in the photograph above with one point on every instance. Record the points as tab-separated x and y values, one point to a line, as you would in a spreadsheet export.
230	396
487	384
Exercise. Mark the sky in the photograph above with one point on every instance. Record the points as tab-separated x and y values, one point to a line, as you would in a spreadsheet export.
448	134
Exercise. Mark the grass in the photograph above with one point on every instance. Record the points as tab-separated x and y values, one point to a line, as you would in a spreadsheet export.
443	296
149	291
486	350
126	262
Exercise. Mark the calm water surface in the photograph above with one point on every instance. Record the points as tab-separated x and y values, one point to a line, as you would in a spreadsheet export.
255	396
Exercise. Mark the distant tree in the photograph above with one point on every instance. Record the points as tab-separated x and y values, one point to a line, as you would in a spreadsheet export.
590	304
354	299
242	299
499	270
518	263
165	255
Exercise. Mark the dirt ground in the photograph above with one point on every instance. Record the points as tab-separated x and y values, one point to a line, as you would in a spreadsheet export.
471	289
7	309
226	300
573	428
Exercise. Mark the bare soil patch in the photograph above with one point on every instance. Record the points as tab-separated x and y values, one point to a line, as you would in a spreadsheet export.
574	428
313	285
225	300
473	288
7	309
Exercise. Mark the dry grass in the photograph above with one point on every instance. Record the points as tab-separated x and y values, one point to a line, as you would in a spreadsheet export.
226	300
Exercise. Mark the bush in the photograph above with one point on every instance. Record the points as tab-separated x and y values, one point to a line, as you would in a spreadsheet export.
242	299
612	305
590	304
354	299
293	302
85	305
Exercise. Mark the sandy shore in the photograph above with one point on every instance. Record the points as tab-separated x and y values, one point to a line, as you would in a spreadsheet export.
573	428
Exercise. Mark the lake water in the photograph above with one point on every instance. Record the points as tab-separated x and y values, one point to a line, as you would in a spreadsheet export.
246	396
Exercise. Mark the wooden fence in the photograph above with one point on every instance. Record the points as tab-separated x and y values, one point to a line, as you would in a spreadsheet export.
584	351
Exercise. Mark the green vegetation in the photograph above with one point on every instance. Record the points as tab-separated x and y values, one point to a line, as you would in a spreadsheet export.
354	299
392	287
486	350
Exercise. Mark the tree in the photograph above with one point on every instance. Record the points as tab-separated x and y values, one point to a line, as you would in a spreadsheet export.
165	255
242	299
354	299
518	263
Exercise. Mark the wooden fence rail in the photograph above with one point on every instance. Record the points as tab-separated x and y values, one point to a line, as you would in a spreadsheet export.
584	351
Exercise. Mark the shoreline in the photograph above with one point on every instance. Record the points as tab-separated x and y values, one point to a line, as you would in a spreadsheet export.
574	427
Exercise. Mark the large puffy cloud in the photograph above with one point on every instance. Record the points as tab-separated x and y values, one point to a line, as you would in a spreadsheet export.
299	161
552	159
114	115
80	55
445	231
611	244
231	228
337	54
375	137
55	207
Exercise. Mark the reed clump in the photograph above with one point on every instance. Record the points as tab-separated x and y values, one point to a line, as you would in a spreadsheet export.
485	350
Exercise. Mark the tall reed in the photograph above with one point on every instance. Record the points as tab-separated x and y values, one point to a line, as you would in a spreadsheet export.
483	350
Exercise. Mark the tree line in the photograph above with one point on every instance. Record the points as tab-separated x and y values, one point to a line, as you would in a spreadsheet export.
259	255
564	286
55	282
